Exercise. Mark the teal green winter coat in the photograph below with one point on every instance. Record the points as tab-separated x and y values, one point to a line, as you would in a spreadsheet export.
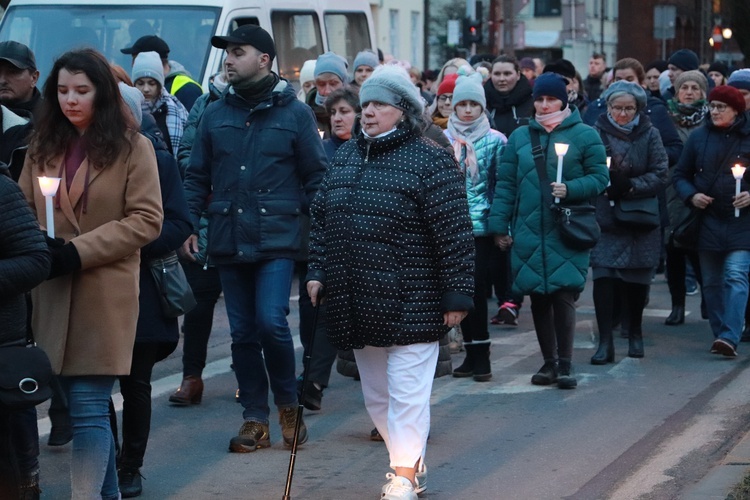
540	262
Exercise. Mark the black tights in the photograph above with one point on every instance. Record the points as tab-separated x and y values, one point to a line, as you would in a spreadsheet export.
555	323
606	300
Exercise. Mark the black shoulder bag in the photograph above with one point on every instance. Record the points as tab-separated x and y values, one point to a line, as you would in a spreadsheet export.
25	375
576	223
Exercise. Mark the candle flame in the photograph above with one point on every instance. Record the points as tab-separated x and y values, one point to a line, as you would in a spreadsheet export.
49	185
738	171
561	148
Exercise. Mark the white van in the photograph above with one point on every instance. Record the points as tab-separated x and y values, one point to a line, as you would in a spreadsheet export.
301	29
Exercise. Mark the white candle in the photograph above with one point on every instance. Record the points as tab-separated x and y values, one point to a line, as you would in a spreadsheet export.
560	150
48	186
321	133
609	163
737	171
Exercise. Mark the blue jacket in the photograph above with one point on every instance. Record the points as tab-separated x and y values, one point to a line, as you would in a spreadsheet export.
262	166
709	149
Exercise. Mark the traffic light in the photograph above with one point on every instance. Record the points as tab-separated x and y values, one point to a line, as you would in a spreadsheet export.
472	32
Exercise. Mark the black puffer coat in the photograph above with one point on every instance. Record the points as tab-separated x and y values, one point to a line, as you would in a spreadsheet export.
391	241
508	111
709	151
642	155
24	259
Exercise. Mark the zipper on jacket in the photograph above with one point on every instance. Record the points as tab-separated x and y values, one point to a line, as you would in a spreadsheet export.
367	153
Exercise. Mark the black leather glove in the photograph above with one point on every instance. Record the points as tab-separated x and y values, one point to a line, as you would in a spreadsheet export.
620	184
65	258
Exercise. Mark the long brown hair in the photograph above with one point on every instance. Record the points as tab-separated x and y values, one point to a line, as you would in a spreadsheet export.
109	133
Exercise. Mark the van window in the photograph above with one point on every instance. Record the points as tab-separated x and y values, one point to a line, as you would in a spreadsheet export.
298	38
108	28
347	33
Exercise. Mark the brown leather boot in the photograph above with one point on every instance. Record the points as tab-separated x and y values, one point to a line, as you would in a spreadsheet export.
189	393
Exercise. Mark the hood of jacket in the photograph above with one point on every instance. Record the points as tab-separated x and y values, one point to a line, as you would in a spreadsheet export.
175	69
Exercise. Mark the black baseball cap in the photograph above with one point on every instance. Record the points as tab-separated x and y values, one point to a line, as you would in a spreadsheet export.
18	54
248	34
148	43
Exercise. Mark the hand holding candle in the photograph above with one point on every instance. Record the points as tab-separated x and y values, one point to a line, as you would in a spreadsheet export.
737	171
48	186
560	149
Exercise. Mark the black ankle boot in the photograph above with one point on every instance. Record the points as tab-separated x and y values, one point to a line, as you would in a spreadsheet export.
467	367
28	489
635	344
606	351
482	367
565	378
676	317
547	374
129	481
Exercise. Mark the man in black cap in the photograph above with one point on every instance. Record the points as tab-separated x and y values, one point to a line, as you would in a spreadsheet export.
18	77
177	81
257	161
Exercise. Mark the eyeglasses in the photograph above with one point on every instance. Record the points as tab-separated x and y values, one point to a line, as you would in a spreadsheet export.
628	110
445	97
718	107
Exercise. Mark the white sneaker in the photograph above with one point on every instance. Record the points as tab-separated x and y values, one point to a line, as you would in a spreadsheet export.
421	479
397	488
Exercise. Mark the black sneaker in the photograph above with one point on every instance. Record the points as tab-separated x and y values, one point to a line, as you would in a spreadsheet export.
252	436
129	481
311	397
546	375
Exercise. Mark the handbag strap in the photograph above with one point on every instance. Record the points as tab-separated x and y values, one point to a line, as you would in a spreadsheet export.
539	160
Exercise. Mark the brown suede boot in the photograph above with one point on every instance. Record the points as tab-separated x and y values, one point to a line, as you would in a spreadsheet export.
189	393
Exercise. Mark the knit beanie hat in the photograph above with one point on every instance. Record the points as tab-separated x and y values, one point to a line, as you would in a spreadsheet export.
307	73
469	88
561	67
740	79
719	67
729	96
390	84
685	59
448	84
659	64
133	98
691	76
148	65
331	63
366	58
526	63
623	87
550	84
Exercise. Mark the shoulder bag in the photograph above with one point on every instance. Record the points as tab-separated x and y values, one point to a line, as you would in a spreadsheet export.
576	222
25	376
175	295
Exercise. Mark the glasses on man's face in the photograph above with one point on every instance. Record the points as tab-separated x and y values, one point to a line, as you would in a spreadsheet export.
445	97
628	110
720	107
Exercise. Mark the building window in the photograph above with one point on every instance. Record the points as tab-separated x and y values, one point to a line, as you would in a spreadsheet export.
416	33
393	32
546	8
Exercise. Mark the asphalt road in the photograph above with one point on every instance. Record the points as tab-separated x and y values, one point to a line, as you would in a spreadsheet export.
648	428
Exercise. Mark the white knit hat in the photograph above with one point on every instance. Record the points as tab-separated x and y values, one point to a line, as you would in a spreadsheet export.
133	98
148	65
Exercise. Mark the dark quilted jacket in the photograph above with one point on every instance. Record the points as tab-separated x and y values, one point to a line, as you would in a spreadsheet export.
709	149
391	242
640	153
24	259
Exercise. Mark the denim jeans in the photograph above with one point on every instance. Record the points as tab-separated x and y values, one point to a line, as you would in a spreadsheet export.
257	301
93	473
725	286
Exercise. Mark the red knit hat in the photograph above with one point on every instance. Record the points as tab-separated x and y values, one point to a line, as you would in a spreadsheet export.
729	96
448	84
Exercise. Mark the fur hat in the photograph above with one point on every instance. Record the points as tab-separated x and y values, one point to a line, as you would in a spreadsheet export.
366	58
550	84
469	88
331	62
685	59
148	65
740	79
133	98
729	96
621	87
448	85
390	84
691	76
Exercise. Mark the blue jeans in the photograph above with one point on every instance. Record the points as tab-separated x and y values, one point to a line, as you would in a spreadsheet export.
725	290
257	301
93	474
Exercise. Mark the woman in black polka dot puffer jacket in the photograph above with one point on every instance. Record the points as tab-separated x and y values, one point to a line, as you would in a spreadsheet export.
393	249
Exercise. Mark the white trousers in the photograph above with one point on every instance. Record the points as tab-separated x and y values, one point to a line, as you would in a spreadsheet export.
396	384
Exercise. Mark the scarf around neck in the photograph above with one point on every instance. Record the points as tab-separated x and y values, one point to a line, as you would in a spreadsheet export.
687	115
467	134
628	127
177	116
552	120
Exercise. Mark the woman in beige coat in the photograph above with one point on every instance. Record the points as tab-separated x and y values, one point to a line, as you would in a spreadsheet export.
107	207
